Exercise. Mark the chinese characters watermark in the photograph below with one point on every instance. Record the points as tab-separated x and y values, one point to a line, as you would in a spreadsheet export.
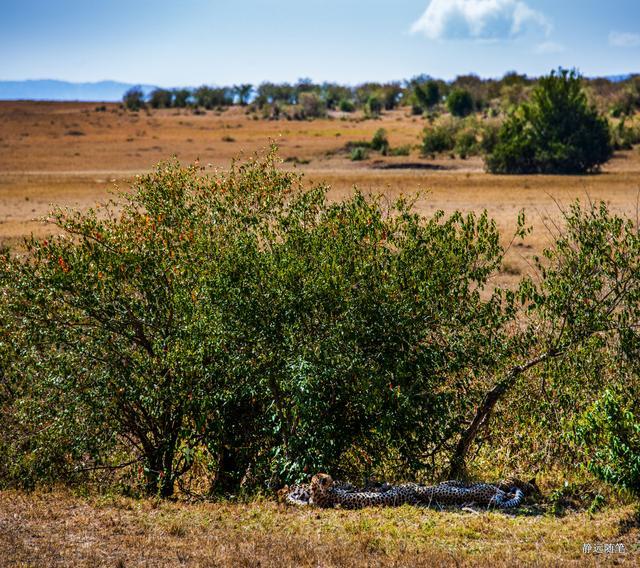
603	548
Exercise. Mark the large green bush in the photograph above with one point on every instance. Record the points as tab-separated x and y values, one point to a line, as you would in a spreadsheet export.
246	322
557	132
243	327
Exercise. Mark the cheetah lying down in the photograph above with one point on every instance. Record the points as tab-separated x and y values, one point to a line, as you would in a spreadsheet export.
324	492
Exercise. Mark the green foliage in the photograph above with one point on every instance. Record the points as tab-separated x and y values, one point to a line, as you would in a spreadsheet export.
373	107
229	316
243	93
403	150
454	135
358	153
439	138
380	142
181	98
610	434
244	322
460	102
346	106
426	94
133	99
624	137
212	97
160	98
466	143
556	133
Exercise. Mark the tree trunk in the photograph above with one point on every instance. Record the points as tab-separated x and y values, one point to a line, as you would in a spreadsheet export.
159	476
457	463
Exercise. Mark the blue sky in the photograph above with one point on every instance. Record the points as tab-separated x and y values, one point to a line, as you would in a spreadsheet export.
190	42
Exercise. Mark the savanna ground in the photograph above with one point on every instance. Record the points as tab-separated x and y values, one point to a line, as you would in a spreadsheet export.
72	154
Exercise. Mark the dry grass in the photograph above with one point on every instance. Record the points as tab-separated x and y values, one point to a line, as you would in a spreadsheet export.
60	529
41	164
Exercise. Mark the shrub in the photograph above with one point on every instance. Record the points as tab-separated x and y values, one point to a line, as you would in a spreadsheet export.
489	137
311	105
373	107
346	106
556	133
404	150
426	95
610	435
466	143
358	153
624	137
133	99
460	102
380	142
225	318
439	138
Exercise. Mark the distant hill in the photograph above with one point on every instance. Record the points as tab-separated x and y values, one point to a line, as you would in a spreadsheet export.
52	90
620	78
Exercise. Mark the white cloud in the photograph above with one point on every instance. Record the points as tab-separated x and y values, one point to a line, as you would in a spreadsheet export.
624	39
549	47
479	19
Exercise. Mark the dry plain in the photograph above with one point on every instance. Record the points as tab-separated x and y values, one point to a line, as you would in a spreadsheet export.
72	154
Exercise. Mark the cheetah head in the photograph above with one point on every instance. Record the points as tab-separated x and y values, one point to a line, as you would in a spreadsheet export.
320	485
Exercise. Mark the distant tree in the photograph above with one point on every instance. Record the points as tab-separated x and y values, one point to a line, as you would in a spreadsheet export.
373	108
346	105
160	98
391	94
558	132
426	94
460	102
212	97
380	142
304	85
311	105
181	98
243	92
333	94
133	99
513	78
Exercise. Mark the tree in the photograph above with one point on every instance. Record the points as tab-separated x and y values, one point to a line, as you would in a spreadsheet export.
133	99
558	132
243	92
373	107
311	105
588	292
212	97
160	98
460	102
181	98
427	94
